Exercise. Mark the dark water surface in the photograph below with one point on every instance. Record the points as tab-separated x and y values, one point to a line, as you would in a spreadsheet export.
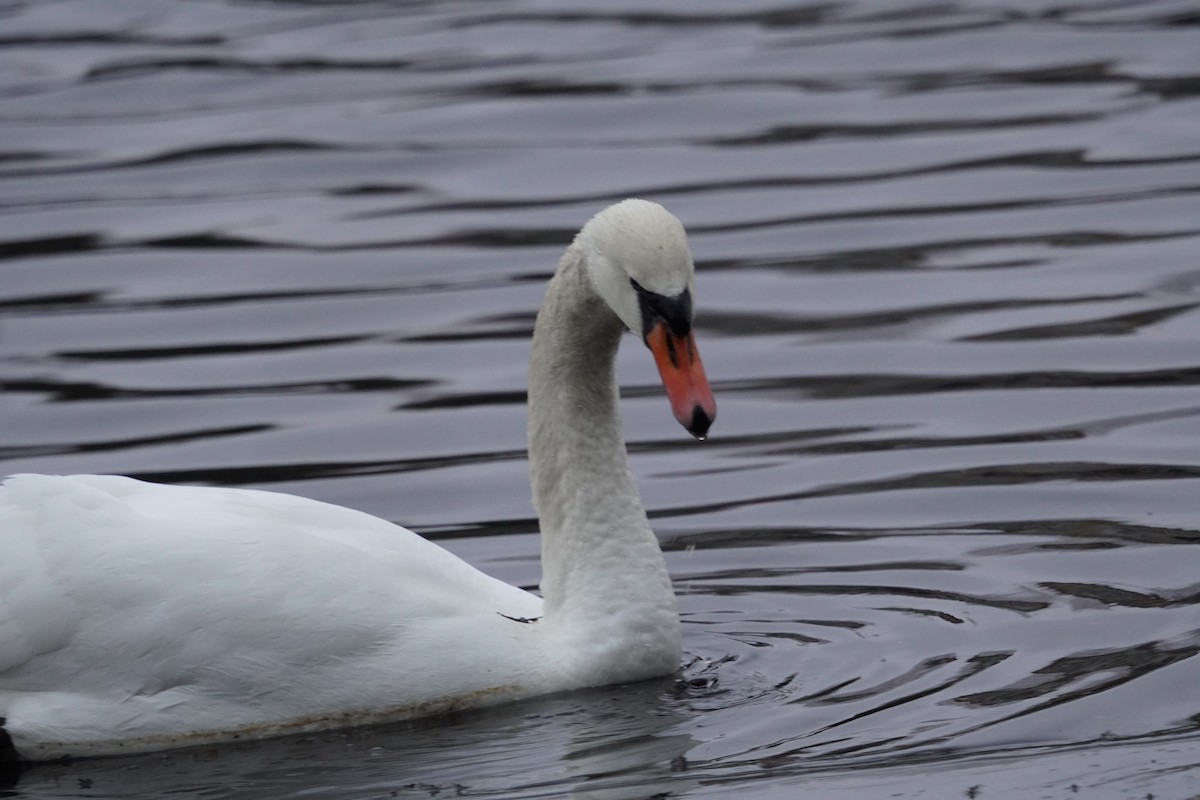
944	540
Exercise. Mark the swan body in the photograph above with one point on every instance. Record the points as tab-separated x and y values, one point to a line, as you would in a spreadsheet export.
137	616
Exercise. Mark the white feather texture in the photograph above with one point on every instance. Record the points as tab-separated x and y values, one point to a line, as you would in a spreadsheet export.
137	616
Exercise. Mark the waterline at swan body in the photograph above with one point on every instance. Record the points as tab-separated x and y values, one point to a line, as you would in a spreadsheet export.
137	616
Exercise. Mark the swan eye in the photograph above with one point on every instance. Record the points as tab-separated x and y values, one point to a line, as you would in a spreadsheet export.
675	311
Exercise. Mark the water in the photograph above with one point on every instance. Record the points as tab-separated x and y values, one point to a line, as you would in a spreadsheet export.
943	540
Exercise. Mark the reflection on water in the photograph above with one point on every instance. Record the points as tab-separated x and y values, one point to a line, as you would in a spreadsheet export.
943	536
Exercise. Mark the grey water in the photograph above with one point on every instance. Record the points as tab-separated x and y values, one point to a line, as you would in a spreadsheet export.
944	538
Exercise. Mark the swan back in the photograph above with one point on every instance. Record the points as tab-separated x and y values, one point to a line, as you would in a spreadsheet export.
137	616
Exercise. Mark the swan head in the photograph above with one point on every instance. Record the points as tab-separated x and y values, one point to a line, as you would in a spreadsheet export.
636	256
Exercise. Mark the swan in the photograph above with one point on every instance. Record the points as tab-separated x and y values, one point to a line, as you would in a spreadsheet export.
137	616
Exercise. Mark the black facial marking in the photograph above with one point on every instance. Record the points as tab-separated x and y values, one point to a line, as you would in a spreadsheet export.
674	356
675	311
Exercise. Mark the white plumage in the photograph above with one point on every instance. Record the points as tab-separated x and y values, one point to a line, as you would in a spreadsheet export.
137	616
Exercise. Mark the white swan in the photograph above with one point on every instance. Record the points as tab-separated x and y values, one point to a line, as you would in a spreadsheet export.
137	616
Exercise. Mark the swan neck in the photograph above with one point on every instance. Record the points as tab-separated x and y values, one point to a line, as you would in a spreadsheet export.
599	556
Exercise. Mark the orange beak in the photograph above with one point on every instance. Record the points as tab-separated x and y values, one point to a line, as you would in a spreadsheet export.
683	377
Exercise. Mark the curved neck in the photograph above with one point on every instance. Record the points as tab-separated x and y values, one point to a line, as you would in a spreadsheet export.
600	558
